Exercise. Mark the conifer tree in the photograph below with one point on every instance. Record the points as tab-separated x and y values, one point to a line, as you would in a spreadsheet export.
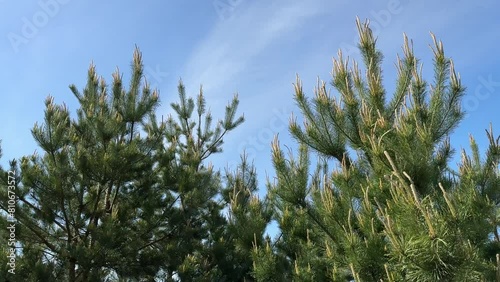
227	252
115	194
248	219
392	209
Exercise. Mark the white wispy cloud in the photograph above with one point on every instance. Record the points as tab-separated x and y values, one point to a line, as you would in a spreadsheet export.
227	55
232	44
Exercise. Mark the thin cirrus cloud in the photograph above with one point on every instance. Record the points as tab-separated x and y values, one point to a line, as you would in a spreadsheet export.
233	43
230	51
254	49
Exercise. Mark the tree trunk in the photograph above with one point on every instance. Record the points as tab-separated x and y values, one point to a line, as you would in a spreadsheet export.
71	270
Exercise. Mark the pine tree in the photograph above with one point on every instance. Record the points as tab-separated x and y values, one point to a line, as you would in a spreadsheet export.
248	219
116	194
392	209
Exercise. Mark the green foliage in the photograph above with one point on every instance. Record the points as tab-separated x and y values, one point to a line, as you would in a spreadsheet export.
395	211
118	195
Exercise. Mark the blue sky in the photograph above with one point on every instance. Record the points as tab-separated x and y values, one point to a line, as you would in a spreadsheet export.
250	47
